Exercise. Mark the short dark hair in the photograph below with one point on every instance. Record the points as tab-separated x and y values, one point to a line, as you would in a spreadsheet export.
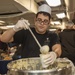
44	13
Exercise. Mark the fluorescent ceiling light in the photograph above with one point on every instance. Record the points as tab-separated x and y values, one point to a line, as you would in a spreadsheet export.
60	15
6	27
55	22
3	27
2	21
10	26
53	3
52	29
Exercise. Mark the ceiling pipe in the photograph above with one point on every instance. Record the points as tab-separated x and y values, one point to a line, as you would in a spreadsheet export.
30	5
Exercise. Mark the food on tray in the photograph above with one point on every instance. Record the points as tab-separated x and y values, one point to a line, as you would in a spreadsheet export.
5	56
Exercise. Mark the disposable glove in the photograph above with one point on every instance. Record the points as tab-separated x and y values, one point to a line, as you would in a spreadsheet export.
21	24
48	59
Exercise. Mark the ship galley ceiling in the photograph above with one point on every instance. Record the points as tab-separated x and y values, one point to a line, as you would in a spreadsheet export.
13	10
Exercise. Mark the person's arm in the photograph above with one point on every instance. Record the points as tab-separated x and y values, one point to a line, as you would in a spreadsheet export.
57	49
7	36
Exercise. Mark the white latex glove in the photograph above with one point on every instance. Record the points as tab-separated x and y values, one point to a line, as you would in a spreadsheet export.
21	24
48	59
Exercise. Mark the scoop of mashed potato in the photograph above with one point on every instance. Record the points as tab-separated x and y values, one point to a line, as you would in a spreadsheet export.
44	49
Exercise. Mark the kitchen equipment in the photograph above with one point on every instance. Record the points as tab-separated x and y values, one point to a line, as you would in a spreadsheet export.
32	66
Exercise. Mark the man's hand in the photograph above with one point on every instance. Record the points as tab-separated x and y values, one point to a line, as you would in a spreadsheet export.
21	24
48	59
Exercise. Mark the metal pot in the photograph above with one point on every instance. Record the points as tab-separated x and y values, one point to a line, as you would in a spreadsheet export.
32	66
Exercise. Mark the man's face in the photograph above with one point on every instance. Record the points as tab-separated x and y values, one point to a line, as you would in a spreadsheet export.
41	23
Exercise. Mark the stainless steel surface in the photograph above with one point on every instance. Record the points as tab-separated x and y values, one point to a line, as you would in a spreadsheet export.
32	66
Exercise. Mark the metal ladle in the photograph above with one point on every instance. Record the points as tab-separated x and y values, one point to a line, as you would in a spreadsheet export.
33	34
